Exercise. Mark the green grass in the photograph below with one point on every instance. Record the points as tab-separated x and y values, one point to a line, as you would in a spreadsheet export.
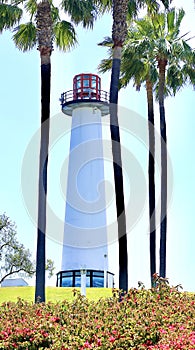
52	293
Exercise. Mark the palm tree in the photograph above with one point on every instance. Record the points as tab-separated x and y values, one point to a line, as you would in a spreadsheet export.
10	15
119	32
136	64
26	37
121	9
138	69
160	39
48	27
44	29
141	70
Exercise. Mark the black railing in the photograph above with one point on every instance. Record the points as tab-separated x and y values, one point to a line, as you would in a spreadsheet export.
85	94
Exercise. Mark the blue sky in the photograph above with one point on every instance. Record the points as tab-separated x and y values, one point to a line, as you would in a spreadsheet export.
20	120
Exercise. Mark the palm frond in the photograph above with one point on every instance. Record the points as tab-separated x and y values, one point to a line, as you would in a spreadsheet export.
105	65
108	42
166	3
17	2
10	15
55	13
103	6
175	78
167	91
81	12
152	6
150	40
179	17
171	21
31	7
65	36
25	36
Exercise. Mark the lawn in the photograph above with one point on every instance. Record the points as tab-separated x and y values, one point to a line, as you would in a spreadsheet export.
52	293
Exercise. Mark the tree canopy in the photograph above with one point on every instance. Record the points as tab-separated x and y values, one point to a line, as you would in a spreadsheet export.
14	257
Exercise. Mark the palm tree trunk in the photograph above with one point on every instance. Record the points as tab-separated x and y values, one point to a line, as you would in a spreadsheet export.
44	26
42	195
151	176
119	31
163	225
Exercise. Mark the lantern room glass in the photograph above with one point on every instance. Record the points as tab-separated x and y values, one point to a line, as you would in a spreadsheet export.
86	86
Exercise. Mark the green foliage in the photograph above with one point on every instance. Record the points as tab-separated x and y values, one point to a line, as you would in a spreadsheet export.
50	267
14	257
134	64
148	40
152	6
63	32
159	37
9	15
31	7
25	36
103	5
159	318
65	36
80	11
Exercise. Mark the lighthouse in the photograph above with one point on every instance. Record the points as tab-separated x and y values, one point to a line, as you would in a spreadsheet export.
85	246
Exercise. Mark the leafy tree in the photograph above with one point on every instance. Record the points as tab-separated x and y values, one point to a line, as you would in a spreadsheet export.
14	257
50	267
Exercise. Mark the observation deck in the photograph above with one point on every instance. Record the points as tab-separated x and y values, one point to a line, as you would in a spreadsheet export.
86	92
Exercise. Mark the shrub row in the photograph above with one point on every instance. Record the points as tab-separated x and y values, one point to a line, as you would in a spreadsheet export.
160	318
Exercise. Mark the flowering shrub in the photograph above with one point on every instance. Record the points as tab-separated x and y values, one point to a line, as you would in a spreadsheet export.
159	318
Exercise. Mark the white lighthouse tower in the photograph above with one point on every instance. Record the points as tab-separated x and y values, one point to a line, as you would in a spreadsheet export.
85	234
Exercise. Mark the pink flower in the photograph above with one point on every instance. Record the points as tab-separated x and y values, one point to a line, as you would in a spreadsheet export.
99	343
45	334
172	327
161	330
112	339
55	319
192	338
5	334
87	345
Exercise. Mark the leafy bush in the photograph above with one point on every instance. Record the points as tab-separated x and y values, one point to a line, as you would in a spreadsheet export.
159	318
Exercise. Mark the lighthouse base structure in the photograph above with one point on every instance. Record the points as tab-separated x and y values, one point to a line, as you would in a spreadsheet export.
94	278
85	233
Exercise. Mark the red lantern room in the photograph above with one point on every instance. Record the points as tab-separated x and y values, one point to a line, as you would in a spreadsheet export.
86	91
86	86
